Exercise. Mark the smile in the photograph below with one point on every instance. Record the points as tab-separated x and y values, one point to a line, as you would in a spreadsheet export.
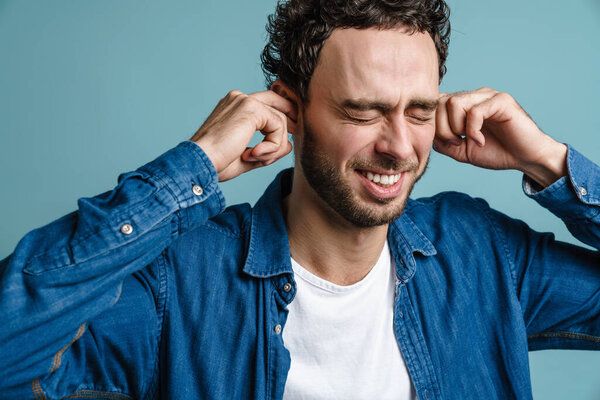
381	179
381	186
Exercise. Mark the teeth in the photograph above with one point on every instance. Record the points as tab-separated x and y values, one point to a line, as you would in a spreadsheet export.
382	179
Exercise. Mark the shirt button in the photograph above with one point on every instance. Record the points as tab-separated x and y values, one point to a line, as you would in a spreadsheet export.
287	287
126	229
582	191
278	329
197	190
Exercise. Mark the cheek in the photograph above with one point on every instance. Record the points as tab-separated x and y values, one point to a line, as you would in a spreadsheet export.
422	141
346	141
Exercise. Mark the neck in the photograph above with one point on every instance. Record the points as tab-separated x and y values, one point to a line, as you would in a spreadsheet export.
326	244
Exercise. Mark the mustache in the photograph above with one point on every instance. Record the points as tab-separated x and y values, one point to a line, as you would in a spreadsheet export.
384	163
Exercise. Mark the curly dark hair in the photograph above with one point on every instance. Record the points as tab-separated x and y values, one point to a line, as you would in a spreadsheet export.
298	29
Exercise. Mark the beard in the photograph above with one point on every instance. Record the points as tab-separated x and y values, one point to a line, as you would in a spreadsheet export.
328	182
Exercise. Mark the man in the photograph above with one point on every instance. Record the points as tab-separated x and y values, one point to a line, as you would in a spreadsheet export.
335	285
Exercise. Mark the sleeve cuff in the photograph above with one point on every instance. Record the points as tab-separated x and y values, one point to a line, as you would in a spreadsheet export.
189	175
575	196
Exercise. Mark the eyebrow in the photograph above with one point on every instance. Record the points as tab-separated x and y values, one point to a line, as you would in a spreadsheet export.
383	107
366	105
425	104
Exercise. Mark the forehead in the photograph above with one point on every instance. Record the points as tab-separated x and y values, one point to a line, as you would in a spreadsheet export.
382	63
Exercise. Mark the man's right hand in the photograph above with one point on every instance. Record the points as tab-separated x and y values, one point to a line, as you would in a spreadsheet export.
225	134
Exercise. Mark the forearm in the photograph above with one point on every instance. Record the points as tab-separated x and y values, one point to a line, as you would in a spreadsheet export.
65	273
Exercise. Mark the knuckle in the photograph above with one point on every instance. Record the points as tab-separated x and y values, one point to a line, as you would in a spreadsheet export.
234	93
473	112
453	101
282	118
503	96
250	103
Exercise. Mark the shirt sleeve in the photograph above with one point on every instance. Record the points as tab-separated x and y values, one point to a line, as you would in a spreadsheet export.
557	283
64	274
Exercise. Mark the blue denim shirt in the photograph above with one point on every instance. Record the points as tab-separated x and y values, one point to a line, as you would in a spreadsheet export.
153	290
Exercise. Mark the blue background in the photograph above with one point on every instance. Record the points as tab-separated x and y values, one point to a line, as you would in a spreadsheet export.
89	89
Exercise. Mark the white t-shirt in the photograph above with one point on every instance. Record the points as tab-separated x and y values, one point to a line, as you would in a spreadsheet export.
341	338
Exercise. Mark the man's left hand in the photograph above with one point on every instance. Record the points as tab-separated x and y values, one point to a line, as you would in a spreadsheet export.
489	129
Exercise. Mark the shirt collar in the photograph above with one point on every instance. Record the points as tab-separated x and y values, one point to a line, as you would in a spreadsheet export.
405	239
269	249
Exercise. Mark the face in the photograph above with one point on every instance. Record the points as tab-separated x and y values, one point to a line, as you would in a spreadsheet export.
366	134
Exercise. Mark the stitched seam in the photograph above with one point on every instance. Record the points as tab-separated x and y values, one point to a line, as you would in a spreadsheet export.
37	391
35	384
38	273
99	394
165	183
405	337
58	356
575	219
86	234
226	232
436	198
210	167
565	335
492	222
162	300
77	240
269	345
423	348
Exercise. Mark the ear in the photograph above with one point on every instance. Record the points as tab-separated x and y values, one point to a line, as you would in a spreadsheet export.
284	91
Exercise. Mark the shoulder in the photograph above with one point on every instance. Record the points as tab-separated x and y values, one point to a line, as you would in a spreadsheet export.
456	202
449	211
233	222
222	233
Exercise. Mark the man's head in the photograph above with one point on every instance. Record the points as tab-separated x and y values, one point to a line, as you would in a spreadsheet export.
298	29
365	76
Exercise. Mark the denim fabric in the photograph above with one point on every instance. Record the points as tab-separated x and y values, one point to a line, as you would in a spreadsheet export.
185	304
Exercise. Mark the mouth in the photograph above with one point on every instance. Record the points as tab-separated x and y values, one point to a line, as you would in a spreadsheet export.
382	185
380	179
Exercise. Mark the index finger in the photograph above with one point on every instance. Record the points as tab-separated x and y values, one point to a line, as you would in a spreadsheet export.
278	102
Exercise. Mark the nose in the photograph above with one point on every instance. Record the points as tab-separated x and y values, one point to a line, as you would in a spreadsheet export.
395	140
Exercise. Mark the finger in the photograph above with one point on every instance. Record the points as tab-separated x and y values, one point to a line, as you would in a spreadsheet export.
456	115
460	106
478	114
457	152
265	158
278	102
276	135
239	167
443	130
291	125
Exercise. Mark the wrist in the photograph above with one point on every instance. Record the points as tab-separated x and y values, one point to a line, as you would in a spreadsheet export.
210	153
550	166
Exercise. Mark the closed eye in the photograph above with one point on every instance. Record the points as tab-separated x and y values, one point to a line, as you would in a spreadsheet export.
421	118
360	120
